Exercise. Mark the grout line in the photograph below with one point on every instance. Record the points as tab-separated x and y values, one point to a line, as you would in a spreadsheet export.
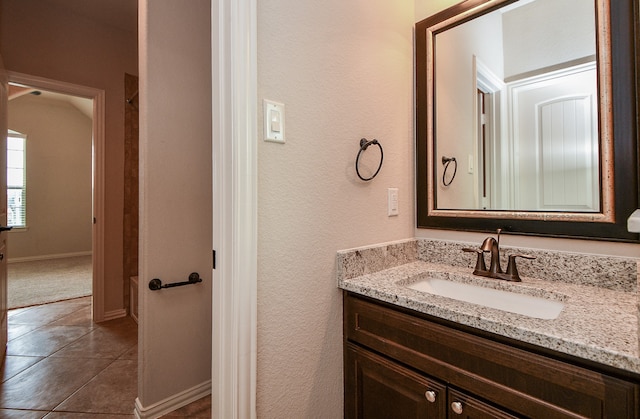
80	388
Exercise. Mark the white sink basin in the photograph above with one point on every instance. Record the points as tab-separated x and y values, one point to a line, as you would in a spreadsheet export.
538	307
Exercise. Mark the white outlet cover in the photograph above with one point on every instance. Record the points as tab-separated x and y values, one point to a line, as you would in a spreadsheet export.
274	124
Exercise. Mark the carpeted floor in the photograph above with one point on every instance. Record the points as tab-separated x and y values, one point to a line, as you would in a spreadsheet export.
46	281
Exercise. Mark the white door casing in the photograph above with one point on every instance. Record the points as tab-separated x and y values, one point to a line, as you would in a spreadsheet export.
234	76
98	147
4	121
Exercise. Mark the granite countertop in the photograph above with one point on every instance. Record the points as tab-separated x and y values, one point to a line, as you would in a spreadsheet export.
596	323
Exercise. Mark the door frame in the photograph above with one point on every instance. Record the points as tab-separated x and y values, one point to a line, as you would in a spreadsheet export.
98	146
235	207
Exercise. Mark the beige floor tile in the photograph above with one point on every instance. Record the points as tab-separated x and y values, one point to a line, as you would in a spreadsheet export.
131	354
17	330
72	415
105	341
15	311
48	383
47	313
45	340
81	317
114	390
21	414
15	364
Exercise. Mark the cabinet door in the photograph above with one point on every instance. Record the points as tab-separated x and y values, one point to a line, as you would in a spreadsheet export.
465	406
378	388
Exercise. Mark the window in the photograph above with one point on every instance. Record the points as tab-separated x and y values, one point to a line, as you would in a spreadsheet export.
16	180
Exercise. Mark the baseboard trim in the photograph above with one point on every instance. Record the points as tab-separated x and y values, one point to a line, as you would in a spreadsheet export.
115	314
172	403
48	257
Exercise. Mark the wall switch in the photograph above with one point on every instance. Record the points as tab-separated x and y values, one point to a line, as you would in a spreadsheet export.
392	201
273	121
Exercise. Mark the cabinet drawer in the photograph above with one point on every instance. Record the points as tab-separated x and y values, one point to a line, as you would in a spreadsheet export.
461	405
523	382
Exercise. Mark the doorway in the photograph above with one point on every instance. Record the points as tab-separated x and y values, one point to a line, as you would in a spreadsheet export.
62	233
49	172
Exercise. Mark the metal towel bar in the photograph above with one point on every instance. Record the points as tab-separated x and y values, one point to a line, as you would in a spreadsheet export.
156	284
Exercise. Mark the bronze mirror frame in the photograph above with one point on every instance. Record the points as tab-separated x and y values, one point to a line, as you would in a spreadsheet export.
617	52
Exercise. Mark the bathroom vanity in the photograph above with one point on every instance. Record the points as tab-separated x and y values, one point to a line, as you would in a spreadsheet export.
411	353
402	364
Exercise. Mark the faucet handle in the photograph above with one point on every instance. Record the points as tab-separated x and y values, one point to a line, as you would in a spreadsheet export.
512	269
480	266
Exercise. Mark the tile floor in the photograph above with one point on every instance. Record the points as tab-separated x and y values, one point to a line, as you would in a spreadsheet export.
60	364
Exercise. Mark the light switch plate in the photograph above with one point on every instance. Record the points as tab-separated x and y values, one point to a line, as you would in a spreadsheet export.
273	121
392	201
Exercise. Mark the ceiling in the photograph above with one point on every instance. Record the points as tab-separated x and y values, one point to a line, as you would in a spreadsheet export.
85	106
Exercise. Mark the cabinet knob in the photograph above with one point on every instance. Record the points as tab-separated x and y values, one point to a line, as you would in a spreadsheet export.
456	407
430	395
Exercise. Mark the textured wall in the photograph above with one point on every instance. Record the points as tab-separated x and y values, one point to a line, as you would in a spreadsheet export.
426	8
344	71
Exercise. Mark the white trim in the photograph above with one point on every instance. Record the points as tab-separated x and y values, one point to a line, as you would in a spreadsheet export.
48	257
98	97
172	403
234	82
114	314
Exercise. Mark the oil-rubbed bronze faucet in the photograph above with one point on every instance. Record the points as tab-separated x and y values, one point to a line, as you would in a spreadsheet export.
492	246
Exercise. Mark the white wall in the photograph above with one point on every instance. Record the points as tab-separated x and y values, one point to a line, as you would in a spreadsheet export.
58	178
546	33
455	92
344	71
175	198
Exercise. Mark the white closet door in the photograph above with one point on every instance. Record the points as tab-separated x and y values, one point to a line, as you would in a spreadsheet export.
556	143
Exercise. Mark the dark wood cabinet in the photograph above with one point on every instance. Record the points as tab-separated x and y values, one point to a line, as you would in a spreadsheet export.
402	364
385	389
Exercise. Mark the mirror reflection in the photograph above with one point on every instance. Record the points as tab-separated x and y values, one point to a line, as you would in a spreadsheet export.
516	105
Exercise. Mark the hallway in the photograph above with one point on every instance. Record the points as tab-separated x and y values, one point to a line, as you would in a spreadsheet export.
60	364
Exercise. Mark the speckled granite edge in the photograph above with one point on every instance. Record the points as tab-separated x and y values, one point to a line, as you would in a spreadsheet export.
611	272
595	288
352	263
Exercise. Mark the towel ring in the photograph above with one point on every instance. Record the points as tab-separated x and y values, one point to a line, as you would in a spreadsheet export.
364	144
446	161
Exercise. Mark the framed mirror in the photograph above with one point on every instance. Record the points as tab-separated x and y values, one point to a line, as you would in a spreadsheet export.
526	117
